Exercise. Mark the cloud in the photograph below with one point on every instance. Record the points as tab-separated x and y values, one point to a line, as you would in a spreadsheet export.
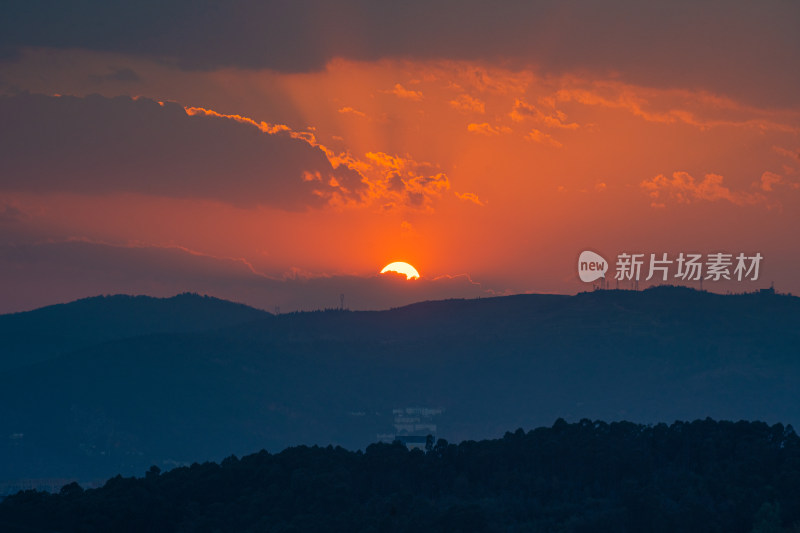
683	188
470	197
11	214
467	103
403	182
791	154
559	121
98	145
350	110
485	128
522	110
542	138
769	180
494	81
407	94
46	273
123	74
671	106
689	45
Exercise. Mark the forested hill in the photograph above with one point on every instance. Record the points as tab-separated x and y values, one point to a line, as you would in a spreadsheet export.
703	476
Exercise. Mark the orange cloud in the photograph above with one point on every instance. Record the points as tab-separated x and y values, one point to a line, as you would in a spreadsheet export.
391	180
792	154
386	160
266	127
543	138
403	182
683	188
523	110
485	128
408	94
665	106
768	181
558	121
352	111
470	197
465	102
496	81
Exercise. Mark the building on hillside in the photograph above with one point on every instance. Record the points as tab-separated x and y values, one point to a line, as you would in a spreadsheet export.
413	426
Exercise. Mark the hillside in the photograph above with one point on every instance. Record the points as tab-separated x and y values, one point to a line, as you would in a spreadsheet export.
703	476
334	377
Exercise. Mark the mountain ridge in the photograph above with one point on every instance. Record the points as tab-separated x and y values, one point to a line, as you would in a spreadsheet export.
334	377
46	332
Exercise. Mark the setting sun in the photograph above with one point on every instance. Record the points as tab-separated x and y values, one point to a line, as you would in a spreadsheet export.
401	268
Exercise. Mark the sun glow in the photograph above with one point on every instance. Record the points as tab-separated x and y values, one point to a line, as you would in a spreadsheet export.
401	268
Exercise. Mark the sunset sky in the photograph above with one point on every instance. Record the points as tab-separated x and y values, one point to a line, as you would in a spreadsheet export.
282	153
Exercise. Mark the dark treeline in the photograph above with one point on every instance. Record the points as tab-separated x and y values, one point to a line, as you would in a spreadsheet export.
588	476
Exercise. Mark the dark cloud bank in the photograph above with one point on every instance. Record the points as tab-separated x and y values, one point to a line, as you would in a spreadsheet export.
98	145
36	275
746	49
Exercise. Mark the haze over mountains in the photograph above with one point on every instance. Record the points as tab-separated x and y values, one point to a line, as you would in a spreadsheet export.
113	385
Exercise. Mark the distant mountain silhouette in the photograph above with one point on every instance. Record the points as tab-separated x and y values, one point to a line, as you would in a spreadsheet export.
197	391
45	333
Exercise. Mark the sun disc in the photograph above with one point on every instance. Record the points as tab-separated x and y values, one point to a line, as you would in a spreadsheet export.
401	268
